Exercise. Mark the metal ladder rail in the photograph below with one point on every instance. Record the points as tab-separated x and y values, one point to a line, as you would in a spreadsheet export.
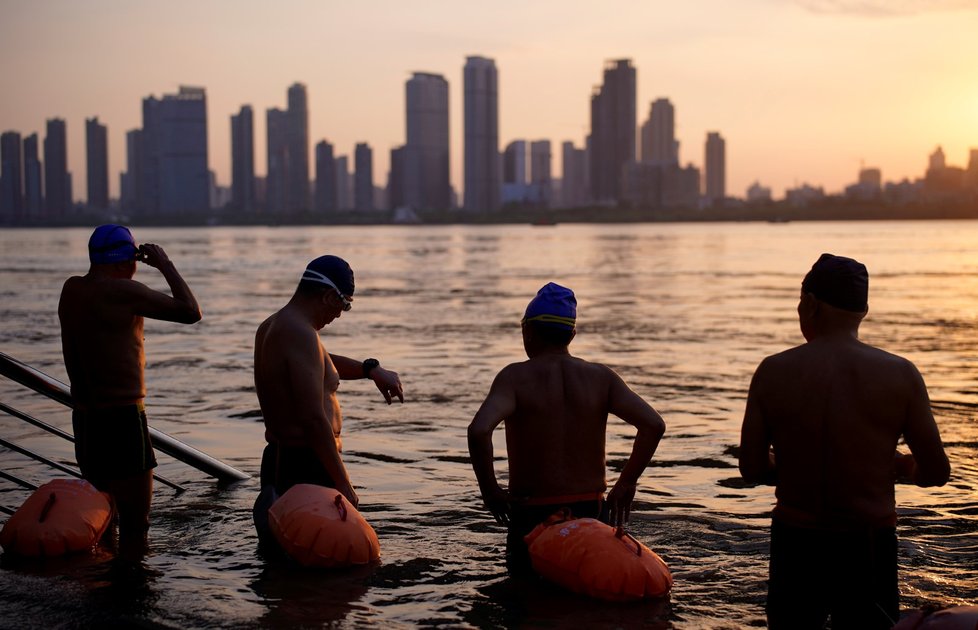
56	390
20	415
20	482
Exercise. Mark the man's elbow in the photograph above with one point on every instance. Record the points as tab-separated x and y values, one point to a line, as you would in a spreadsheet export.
191	316
929	477
653	428
476	435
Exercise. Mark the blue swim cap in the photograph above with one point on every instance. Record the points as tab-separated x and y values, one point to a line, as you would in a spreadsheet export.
838	281
553	305
111	244
330	271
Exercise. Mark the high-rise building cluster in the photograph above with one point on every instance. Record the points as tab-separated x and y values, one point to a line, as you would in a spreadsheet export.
166	171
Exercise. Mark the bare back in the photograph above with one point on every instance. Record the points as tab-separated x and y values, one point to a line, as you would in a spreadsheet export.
556	436
296	382
102	341
834	410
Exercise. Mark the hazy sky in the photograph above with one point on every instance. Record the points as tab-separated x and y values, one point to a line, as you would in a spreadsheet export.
802	90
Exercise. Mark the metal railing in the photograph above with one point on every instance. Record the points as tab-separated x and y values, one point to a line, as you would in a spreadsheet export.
56	390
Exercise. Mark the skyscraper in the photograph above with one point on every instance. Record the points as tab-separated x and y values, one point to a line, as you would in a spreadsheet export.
659	145
574	177
395	178
514	163
175	178
131	186
481	103
97	163
715	162
277	148
344	198
326	192
288	154
363	184
33	180
426	182
57	185
540	171
613	123
243	160
297	140
11	177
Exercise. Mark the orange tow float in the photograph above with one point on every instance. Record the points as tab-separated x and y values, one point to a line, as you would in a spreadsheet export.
596	559
62	516
318	527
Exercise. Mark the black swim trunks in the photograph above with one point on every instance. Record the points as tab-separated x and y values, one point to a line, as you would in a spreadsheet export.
850	576
112	442
285	466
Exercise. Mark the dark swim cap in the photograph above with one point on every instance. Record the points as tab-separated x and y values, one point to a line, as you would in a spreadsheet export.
330	271
111	244
840	282
553	305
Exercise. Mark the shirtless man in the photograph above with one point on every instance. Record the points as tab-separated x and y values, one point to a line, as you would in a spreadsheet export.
101	317
555	407
296	381
822	424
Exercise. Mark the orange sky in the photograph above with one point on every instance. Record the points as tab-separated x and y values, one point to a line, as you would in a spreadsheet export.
802	90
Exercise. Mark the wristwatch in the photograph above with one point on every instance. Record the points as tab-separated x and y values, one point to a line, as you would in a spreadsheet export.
369	365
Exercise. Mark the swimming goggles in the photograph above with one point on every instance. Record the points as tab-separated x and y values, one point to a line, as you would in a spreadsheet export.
315	276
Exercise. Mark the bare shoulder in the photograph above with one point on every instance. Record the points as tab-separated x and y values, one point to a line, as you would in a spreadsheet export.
285	330
892	364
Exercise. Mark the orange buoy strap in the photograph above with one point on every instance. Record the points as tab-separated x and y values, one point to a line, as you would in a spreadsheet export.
47	508
340	507
621	534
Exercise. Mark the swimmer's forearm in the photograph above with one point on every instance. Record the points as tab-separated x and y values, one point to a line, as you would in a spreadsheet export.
348	369
181	291
644	447
480	455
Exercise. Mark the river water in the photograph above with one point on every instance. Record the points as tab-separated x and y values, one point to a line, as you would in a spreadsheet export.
684	312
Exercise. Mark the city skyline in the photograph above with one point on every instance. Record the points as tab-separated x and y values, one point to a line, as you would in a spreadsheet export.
802	91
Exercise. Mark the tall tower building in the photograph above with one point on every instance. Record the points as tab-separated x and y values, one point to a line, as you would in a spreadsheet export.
396	178
277	147
481	103
11	177
715	162
288	154
297	130
426	182
363	183
540	171
175	178
57	185
659	145
130	192
574	176
97	162
344	195
33	179
514	163
326	192
613	125
243	160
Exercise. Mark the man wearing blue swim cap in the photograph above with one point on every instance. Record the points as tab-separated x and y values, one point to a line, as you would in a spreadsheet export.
296	380
555	410
822	424
101	316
